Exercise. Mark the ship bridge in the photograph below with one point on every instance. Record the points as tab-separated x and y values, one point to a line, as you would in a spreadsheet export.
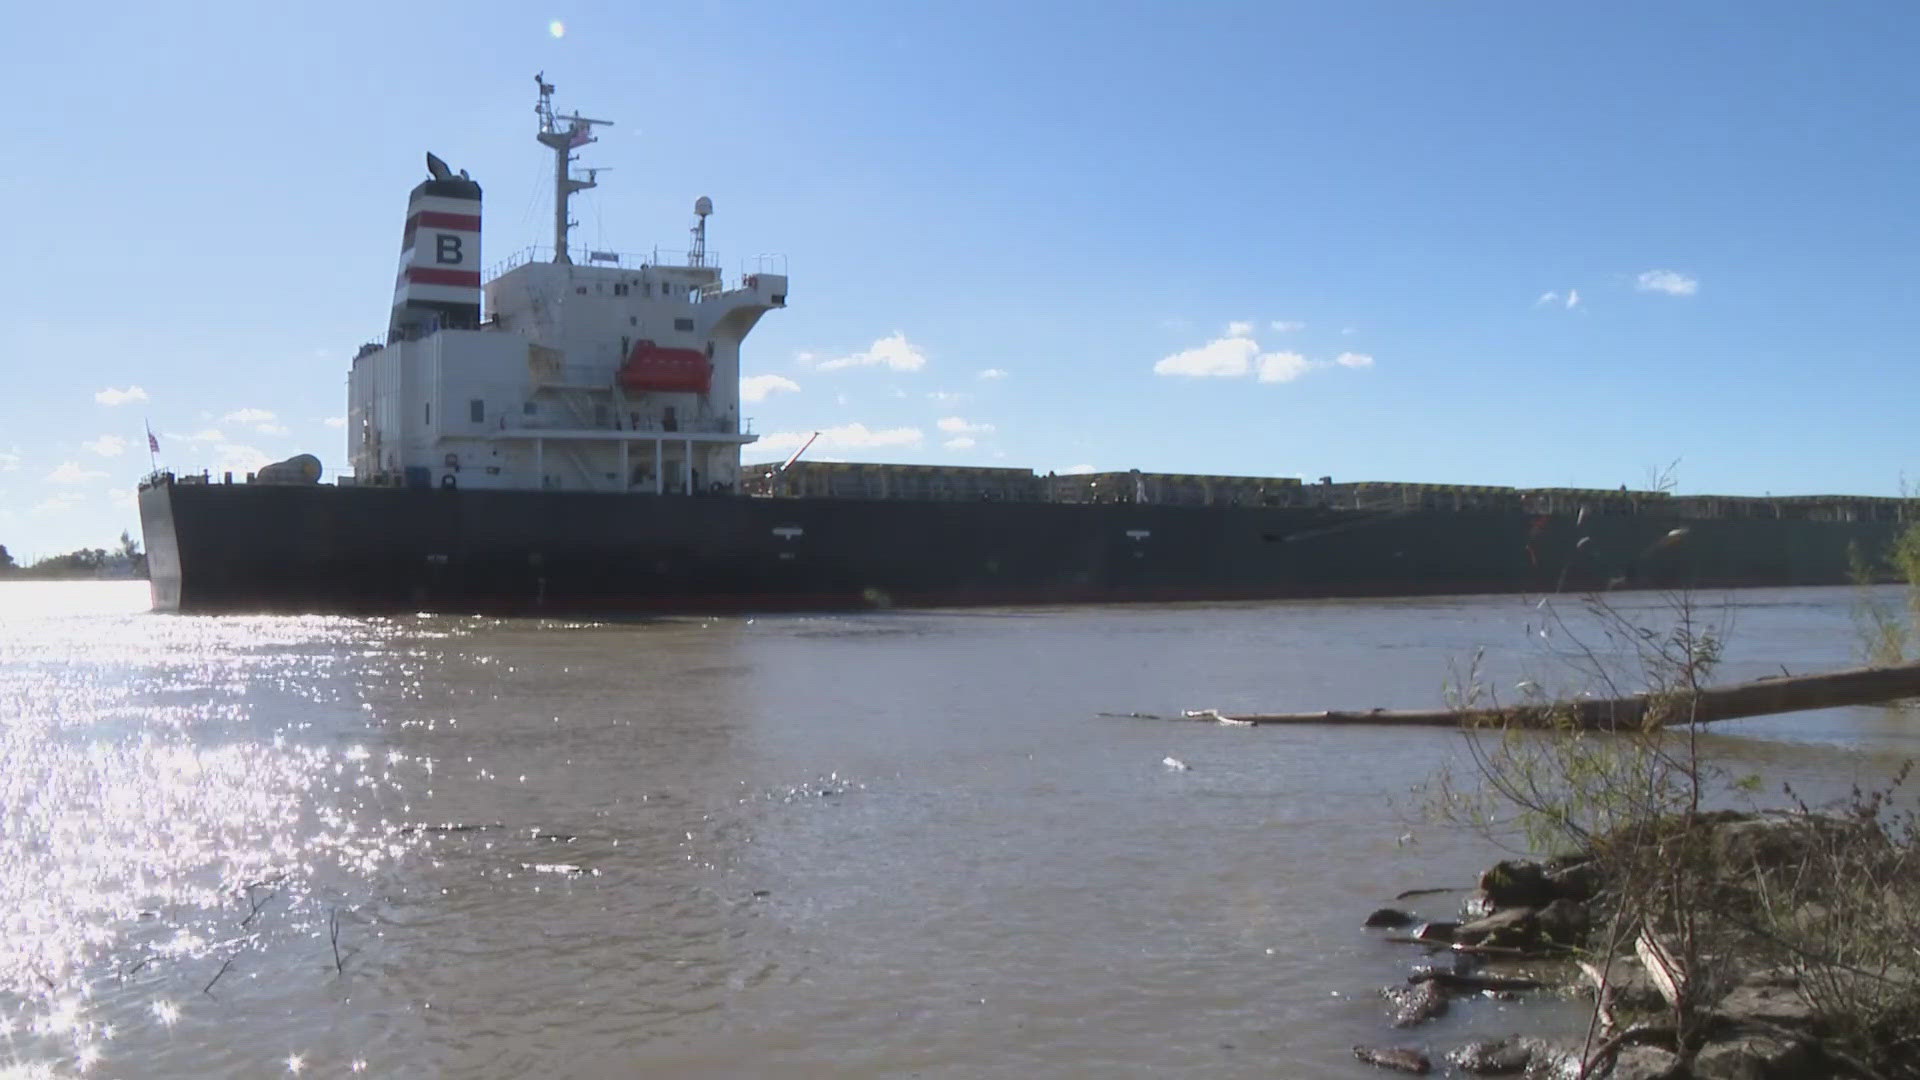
589	370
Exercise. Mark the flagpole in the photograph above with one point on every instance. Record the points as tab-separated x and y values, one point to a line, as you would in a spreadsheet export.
153	447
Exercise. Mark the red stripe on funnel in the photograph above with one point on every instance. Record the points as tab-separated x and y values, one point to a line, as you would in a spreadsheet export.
427	275
438	219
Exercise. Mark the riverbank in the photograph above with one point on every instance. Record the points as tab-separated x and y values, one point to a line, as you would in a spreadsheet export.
1714	946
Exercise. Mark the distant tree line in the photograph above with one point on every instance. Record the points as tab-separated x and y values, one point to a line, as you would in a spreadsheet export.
125	561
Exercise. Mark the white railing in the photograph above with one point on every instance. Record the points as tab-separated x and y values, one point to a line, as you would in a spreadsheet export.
651	425
765	263
601	257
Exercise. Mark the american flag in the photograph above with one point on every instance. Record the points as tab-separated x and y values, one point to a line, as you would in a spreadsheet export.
153	444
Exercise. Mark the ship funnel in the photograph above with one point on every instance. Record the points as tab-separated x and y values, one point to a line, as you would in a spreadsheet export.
439	281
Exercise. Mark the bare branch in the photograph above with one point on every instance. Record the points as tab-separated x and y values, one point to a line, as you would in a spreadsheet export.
208	989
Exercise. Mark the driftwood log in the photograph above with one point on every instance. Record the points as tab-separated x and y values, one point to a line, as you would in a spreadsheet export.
1763	697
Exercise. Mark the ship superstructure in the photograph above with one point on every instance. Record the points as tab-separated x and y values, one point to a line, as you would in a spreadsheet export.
615	373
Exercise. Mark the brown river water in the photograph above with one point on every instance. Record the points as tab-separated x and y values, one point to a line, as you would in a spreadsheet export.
891	844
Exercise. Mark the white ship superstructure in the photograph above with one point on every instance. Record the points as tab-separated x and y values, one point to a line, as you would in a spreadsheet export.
616	373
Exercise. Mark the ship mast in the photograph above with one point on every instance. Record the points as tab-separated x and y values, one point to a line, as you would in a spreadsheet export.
562	141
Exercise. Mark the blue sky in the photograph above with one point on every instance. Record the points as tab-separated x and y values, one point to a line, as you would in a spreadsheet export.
1164	226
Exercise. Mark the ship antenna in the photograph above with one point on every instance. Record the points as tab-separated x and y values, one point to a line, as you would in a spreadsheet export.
562	141
701	208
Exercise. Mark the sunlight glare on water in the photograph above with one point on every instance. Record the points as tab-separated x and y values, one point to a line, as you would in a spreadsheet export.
144	798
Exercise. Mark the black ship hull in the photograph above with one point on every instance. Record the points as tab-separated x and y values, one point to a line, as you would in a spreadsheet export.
310	548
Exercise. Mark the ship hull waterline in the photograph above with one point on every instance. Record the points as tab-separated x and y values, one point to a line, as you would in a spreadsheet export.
294	548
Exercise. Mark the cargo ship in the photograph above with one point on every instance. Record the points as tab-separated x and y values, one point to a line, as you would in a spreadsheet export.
561	434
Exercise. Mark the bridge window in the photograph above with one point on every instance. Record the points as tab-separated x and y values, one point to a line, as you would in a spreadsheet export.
683	324
477	411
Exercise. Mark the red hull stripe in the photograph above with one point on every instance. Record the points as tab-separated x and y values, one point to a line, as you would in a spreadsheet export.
427	275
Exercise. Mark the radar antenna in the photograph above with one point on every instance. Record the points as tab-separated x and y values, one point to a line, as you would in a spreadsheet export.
562	141
701	208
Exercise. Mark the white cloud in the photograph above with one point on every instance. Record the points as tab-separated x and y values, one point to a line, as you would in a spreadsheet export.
59	503
1077	470
1546	298
1286	326
844	437
262	421
238	458
893	351
1671	282
114	396
804	359
70	472
954	425
1573	299
992	373
335	421
1239	354
9	461
1284	366
122	497
962	443
204	435
1222	357
759	387
1349	330
947	395
107	446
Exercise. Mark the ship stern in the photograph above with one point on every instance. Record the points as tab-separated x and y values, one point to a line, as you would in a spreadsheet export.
162	542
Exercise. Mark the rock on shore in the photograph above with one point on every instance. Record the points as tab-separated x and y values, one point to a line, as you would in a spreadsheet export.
1526	913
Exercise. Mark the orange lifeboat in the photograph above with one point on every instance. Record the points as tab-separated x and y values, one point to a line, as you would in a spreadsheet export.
655	368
